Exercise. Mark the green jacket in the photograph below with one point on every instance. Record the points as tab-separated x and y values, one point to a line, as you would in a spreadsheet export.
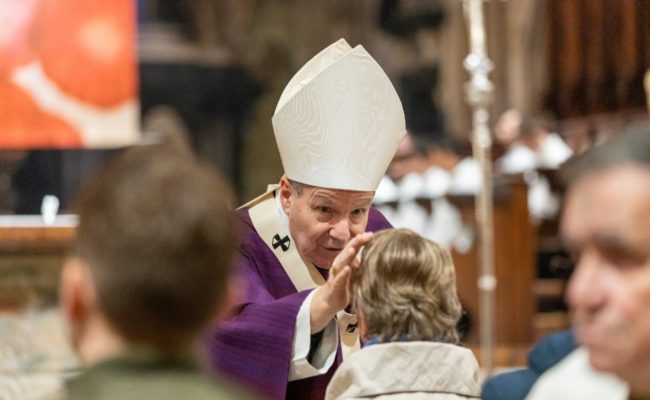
147	375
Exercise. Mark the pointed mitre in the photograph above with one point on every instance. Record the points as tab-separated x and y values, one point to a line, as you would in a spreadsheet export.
339	121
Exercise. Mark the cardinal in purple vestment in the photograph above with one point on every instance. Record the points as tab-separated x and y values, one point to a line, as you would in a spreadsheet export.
255	346
337	125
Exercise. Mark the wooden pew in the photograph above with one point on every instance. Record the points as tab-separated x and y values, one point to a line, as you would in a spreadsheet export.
31	255
514	264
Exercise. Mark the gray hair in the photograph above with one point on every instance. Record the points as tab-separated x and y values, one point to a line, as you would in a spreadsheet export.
629	148
406	288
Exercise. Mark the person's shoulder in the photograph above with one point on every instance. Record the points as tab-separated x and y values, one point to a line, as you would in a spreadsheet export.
248	236
242	216
512	385
574	378
172	384
198	386
225	389
517	384
377	221
254	253
551	349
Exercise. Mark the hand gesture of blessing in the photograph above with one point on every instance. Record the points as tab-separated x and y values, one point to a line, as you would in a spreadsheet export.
334	295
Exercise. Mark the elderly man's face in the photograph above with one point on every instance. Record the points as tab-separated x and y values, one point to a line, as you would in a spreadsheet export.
322	221
607	225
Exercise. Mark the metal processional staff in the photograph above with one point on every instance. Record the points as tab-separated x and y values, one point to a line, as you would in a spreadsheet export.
479	96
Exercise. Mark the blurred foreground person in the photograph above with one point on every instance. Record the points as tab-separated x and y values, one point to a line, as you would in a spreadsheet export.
606	224
149	270
404	291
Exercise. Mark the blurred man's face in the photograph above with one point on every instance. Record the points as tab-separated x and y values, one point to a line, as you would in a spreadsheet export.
406	160
506	129
322	221
607	225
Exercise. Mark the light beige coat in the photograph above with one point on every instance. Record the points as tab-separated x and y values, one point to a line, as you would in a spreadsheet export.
407	370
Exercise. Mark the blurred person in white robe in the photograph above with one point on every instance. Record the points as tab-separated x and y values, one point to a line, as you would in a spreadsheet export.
531	148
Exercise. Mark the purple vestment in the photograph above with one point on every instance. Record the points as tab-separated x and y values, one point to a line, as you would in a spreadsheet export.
254	347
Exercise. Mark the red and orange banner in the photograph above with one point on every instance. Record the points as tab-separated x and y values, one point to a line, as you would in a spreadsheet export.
68	74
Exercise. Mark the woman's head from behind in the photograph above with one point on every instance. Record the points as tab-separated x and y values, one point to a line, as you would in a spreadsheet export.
405	289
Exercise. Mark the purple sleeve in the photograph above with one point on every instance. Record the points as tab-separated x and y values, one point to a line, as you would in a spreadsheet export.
377	221
254	347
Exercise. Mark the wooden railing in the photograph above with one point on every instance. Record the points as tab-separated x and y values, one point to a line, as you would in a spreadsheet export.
31	255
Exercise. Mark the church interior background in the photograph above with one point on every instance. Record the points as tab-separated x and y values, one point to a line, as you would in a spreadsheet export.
210	73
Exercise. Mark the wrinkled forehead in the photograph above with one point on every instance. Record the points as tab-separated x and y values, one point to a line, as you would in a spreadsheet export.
338	196
614	200
614	182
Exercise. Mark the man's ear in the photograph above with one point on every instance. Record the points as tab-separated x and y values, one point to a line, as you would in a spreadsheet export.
77	291
285	193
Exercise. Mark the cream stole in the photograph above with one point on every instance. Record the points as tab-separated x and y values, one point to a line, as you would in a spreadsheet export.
275	233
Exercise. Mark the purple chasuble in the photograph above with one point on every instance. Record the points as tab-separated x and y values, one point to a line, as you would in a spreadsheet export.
254	347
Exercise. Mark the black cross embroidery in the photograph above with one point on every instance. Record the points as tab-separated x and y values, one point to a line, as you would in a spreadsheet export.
352	327
281	242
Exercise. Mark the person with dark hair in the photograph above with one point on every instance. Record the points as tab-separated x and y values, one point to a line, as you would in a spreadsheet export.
606	225
404	291
337	125
149	269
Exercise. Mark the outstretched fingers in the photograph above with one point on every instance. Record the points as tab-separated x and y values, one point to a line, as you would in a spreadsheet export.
348	254
342	277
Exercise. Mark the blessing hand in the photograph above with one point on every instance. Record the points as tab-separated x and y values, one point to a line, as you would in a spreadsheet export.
335	295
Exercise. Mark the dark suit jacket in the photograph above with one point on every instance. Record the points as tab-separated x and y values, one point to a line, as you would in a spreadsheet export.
515	385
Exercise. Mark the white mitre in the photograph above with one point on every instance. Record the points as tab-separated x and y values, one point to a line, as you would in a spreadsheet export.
339	121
